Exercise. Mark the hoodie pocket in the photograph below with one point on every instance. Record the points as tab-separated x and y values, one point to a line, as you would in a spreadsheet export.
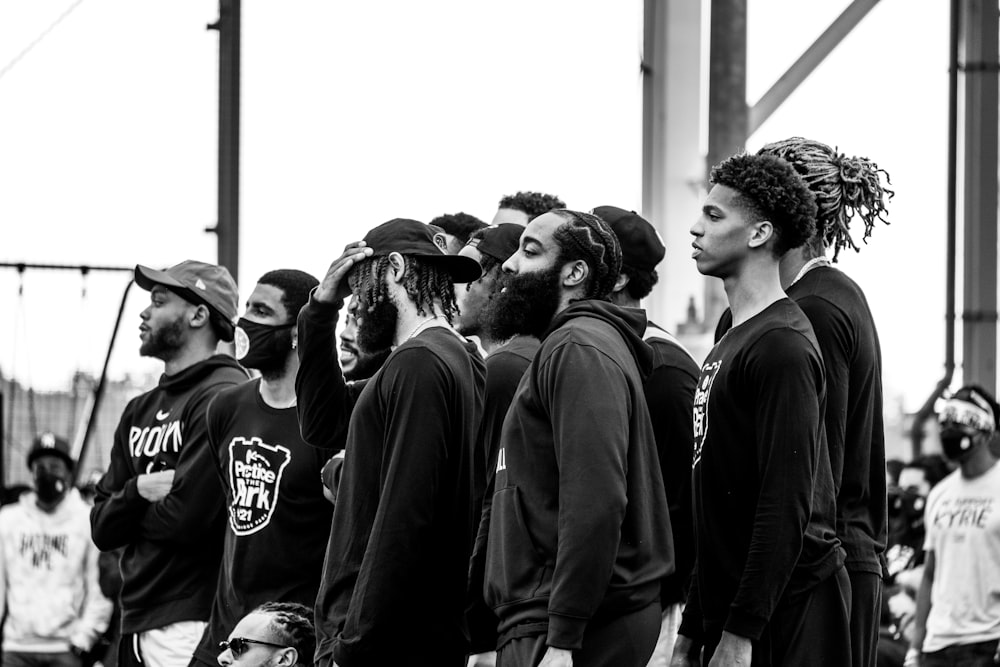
515	568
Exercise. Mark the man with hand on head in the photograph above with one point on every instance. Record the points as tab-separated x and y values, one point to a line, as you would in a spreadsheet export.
404	523
161	498
669	392
278	518
579	531
769	584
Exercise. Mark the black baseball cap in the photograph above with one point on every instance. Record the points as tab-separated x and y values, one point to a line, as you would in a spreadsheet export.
497	241
50	444
414	239
641	245
197	282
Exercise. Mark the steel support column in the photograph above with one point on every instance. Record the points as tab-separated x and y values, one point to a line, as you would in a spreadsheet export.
228	225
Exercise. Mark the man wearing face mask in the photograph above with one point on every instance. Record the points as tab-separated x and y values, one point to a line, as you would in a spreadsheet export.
48	567
958	605
278	519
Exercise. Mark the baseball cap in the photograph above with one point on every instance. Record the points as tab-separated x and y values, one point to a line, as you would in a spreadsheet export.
198	282
415	239
641	245
50	444
497	241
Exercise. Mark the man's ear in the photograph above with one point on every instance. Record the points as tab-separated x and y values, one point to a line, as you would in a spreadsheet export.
620	282
760	233
198	316
574	274
288	657
397	267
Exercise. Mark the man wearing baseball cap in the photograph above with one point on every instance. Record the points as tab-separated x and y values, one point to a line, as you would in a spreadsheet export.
48	566
958	604
393	590
669	390
161	499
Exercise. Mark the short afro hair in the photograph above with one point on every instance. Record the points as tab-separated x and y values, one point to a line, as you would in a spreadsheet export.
770	189
584	236
640	283
532	204
460	225
295	287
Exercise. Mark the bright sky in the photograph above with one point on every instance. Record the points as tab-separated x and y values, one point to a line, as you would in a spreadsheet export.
355	113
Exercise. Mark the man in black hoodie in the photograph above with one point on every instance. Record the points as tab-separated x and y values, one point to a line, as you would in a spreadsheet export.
160	498
579	531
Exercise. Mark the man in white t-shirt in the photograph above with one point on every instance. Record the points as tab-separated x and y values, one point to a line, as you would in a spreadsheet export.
958	605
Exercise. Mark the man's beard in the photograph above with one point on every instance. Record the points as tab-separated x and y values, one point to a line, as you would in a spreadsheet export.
366	364
526	305
275	367
377	326
164	342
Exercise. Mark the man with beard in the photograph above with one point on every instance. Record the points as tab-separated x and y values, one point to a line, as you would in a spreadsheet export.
579	531
160	498
279	519
49	591
958	604
769	586
669	392
275	634
393	589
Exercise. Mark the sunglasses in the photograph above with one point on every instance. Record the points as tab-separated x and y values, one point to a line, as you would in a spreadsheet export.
240	645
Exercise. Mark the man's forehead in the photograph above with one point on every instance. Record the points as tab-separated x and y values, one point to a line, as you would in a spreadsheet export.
253	626
542	229
721	196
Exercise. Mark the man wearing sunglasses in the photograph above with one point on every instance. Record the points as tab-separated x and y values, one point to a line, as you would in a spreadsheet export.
275	634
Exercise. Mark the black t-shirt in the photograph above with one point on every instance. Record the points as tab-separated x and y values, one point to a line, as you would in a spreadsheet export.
278	519
763	491
397	563
839	314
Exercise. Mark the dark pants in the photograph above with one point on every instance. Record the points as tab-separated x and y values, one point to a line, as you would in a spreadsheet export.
866	605
625	641
24	659
963	655
810	629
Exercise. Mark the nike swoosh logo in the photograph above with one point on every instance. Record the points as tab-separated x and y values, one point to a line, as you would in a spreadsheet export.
161	415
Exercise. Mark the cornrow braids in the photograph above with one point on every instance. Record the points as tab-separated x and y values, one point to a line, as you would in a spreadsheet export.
844	187
292	625
425	283
586	237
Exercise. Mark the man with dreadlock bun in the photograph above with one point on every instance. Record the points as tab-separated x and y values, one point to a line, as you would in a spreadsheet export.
845	188
579	529
769	587
393	589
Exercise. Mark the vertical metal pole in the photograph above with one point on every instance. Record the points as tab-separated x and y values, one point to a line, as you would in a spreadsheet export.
228	226
980	34
728	114
671	157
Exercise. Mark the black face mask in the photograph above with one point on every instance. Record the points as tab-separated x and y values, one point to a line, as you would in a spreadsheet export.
49	487
957	442
263	346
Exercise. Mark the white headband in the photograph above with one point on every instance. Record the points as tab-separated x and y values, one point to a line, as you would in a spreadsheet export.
967	413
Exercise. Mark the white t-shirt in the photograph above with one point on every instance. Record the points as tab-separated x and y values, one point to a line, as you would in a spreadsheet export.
963	530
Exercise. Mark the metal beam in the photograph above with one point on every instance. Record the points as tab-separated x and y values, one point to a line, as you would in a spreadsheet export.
228	224
808	61
979	52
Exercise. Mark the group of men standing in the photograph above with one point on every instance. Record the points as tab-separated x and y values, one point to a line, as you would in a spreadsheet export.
528	465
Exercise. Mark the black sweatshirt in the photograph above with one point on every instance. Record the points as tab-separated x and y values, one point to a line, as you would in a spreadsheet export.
763	491
579	528
397	561
172	547
852	358
278	518
669	393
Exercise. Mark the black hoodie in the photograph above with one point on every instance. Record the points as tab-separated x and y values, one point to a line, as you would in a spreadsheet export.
579	528
172	547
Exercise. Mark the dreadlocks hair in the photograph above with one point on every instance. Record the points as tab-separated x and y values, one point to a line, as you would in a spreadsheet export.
424	281
295	286
291	624
844	187
533	204
770	189
584	236
459	225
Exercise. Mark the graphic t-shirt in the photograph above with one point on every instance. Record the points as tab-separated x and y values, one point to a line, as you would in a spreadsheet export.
277	517
963	530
